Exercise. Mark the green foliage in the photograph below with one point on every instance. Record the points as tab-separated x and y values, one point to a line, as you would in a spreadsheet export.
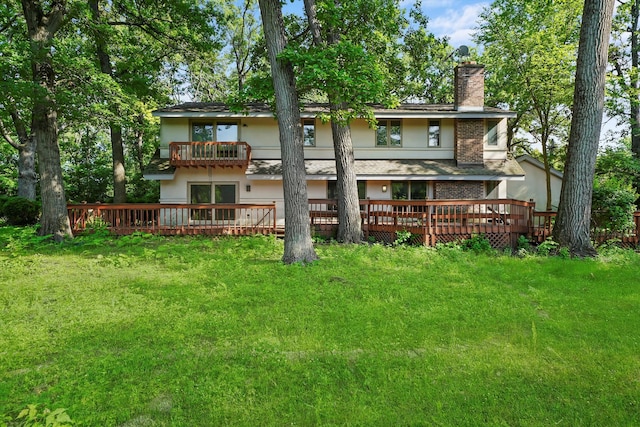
403	237
33	416
21	211
548	247
477	244
612	206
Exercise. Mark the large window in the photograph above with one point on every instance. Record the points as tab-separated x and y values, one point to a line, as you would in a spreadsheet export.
224	131
492	132
222	193
409	190
309	130
434	133
389	133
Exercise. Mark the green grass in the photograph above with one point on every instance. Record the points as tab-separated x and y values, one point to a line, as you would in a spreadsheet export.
145	331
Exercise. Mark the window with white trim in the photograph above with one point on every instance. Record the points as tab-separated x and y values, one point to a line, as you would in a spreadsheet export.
389	133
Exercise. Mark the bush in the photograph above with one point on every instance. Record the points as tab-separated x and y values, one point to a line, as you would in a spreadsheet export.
478	244
21	211
3	200
612	206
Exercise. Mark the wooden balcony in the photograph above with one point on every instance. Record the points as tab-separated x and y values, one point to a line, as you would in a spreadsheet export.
210	154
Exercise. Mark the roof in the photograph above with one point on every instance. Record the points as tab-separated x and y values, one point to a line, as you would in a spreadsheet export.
416	110
430	170
158	169
537	163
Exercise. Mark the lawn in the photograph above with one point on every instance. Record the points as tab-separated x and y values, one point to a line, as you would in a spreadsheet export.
146	331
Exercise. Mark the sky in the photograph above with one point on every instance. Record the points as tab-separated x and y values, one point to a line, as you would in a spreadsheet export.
455	19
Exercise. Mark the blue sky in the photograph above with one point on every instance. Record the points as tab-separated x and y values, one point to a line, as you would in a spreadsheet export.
453	18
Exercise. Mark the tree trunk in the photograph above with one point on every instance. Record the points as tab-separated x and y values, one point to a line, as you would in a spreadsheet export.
572	227
119	176
547	171
117	148
349	221
27	177
26	146
298	246
44	128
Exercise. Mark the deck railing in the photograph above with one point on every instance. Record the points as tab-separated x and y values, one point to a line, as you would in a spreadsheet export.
543	228
429	222
433	221
156	218
214	154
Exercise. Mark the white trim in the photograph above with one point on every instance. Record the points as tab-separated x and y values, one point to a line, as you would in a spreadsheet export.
264	177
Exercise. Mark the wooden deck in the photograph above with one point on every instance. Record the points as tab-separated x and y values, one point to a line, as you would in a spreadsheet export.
430	222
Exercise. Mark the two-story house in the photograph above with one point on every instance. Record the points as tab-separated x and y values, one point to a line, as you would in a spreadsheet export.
209	154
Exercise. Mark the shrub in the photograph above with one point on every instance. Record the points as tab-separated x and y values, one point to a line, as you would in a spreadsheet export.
3	200
478	244
21	211
613	206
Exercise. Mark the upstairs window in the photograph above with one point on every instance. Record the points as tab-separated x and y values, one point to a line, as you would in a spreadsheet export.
434	133
309	131
224	131
492	132
389	133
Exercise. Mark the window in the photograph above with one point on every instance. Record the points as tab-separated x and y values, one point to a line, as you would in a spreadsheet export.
224	131
332	190
389	133
309	130
434	133
492	132
200	194
222	193
409	190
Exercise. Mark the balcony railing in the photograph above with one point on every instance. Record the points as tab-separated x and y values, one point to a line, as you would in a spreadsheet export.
212	154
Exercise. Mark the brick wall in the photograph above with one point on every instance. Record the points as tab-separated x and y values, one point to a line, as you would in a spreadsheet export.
469	90
458	190
469	137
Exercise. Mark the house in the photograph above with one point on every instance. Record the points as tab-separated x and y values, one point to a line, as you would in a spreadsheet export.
535	186
210	154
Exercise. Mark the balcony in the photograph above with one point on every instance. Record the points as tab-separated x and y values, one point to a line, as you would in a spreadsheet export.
210	154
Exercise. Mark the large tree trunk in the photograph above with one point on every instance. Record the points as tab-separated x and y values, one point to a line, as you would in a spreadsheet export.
572	228
27	177
117	148
349	221
298	246
42	28
26	147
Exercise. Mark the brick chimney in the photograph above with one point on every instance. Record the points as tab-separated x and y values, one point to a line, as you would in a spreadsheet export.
469	97
469	86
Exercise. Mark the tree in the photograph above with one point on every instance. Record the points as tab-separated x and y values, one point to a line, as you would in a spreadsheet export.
624	84
297	237
42	26
525	43
15	97
347	63
572	227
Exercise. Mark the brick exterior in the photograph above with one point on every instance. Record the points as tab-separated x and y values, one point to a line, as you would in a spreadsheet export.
469	140
469	90
458	190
